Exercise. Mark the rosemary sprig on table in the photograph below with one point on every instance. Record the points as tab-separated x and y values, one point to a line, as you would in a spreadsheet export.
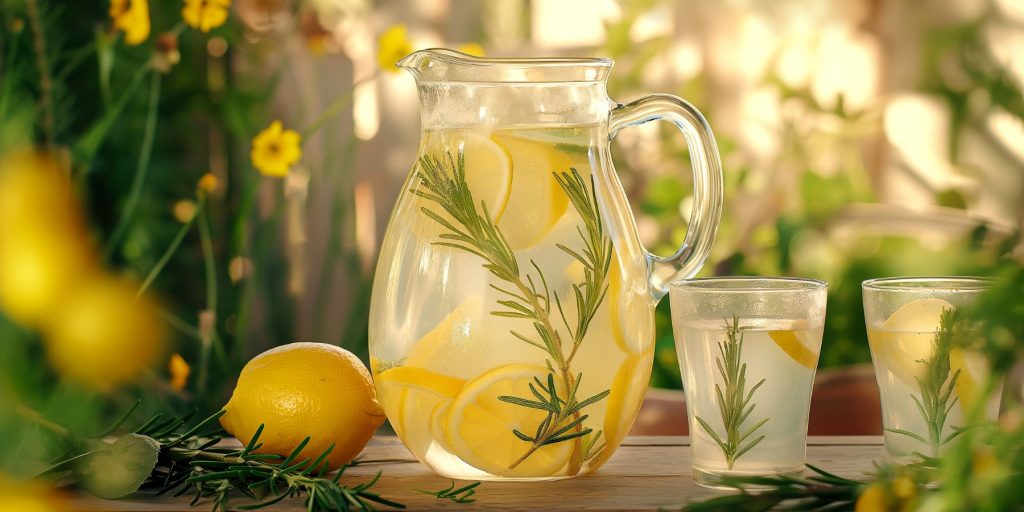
193	462
196	465
528	296
460	495
734	403
937	387
821	491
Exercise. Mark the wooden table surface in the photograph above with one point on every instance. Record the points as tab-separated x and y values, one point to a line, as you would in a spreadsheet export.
646	473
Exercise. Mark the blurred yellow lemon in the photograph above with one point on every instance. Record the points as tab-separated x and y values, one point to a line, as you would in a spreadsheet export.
305	389
101	335
37	268
35	193
29	496
44	247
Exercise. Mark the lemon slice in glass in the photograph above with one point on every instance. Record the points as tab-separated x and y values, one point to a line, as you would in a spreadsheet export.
796	347
537	202
907	338
480	426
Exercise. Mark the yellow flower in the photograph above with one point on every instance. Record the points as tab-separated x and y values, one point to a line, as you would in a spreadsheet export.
393	45
179	370
184	210
205	15
472	49
208	183
275	150
132	17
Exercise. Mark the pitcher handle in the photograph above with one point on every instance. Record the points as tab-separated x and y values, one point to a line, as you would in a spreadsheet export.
707	183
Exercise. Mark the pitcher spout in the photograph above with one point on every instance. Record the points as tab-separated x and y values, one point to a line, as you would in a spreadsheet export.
423	60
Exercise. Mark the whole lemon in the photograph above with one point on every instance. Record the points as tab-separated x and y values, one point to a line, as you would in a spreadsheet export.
305	389
101	335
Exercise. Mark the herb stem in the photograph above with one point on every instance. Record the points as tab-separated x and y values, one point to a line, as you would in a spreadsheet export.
175	243
734	403
141	168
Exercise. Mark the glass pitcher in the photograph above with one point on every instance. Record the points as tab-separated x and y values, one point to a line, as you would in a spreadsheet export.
512	318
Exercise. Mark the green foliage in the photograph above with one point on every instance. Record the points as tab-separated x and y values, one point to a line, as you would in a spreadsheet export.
136	138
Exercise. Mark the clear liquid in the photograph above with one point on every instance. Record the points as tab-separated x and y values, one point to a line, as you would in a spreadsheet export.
441	358
898	357
783	398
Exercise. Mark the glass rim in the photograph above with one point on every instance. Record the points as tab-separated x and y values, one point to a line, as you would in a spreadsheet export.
443	65
735	284
456	57
934	283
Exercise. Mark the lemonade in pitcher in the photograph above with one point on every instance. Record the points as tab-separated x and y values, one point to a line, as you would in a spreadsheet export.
533	359
512	317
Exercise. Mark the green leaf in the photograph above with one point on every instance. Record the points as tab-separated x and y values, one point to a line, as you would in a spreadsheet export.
117	470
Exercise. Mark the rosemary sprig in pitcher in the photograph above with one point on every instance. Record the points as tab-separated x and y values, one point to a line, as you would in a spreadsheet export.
469	228
734	403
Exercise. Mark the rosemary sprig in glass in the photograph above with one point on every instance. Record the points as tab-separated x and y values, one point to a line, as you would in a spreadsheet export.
937	387
442	180
734	404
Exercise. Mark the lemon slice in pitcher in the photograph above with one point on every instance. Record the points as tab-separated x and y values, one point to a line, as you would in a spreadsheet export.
479	425
627	393
488	167
631	314
537	202
419	395
449	340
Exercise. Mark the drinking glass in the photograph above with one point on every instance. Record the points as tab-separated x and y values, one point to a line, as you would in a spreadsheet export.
748	348
929	387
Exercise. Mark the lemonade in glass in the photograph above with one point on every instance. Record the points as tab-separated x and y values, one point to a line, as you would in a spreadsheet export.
748	349
929	386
